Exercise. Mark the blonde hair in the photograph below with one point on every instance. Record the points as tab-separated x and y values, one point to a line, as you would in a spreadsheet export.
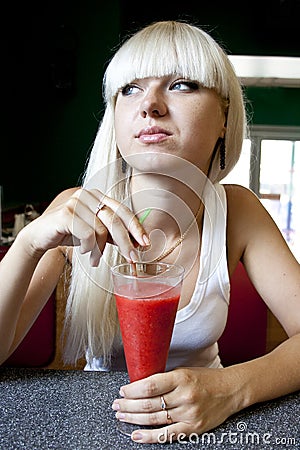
160	49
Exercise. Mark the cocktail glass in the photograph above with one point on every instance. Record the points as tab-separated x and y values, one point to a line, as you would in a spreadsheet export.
147	297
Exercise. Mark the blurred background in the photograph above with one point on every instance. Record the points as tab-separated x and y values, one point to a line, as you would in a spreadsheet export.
53	58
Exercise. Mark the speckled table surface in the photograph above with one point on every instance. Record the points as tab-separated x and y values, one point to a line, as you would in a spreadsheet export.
50	409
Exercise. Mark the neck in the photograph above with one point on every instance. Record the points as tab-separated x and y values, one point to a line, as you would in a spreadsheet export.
175	209
168	191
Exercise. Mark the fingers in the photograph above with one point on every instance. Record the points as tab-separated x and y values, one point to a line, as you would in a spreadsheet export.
176	404
153	419
152	386
154	411
162	426
87	233
139	405
166	403
97	222
118	212
119	229
161	435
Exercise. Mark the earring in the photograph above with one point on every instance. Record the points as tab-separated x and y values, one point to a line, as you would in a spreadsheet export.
222	150
124	166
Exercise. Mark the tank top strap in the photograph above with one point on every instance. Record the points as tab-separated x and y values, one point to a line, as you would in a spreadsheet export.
213	261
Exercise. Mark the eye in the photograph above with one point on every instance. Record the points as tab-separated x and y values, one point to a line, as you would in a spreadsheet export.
129	89
185	86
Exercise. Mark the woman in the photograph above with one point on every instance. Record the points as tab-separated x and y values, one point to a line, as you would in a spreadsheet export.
172	129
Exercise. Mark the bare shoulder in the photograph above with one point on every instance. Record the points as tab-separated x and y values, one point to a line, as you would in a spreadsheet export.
248	223
239	194
244	207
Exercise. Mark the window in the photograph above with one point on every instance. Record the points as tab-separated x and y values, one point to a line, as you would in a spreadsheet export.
241	171
270	166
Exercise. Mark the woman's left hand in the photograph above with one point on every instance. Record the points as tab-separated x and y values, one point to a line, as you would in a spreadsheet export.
183	401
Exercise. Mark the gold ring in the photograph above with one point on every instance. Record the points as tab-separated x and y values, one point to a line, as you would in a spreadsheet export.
169	418
163	403
99	207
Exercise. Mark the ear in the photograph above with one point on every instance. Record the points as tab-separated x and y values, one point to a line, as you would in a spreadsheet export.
223	131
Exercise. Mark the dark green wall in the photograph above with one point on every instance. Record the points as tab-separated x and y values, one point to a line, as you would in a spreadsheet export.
259	27
273	106
266	28
47	132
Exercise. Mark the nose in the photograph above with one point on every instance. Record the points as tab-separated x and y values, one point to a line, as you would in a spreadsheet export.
153	104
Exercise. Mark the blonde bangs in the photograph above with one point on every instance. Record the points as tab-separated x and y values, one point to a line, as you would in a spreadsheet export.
168	48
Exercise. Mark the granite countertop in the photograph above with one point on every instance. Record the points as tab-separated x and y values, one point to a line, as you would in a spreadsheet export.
50	409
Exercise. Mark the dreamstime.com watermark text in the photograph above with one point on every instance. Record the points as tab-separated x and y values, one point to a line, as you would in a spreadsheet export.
240	436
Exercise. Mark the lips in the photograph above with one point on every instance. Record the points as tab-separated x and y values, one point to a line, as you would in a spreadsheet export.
153	134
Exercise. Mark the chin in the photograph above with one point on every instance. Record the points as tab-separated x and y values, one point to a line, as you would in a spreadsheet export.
156	162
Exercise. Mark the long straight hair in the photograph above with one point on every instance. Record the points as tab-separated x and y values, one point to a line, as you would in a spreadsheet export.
160	49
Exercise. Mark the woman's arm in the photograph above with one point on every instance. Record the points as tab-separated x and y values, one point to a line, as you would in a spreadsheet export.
275	273
28	276
26	285
31	268
270	376
254	238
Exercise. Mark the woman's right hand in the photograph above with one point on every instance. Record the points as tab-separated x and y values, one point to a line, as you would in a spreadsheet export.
75	219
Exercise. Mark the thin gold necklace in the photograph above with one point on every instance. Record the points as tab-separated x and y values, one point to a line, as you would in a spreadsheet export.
179	240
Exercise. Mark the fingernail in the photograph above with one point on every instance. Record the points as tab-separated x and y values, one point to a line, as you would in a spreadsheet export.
121	392
120	415
137	436
146	239
133	256
115	406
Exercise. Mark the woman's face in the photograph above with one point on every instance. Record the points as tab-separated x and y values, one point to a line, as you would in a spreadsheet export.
168	115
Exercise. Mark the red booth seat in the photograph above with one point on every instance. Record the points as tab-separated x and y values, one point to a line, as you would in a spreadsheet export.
38	347
245	335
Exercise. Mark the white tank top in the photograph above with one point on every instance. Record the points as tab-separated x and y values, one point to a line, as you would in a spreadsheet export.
199	325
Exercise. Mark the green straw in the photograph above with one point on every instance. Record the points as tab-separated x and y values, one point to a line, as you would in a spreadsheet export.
144	215
141	220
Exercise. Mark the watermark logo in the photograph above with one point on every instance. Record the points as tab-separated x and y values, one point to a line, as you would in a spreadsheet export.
242	435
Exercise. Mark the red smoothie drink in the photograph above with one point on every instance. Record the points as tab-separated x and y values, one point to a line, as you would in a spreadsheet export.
146	323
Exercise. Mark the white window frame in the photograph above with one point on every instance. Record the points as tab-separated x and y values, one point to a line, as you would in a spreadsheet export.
259	133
